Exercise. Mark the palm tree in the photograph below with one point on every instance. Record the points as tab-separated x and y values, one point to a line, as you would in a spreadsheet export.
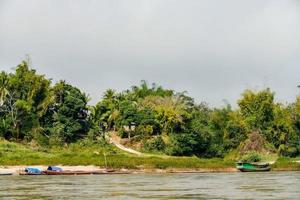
113	117
3	87
109	94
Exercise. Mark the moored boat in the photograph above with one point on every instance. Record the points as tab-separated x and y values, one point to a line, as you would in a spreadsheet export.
51	170
253	167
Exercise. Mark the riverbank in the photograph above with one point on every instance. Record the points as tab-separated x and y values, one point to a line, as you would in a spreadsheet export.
16	169
105	156
14	156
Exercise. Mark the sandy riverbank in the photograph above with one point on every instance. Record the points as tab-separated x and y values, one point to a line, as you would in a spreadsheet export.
16	169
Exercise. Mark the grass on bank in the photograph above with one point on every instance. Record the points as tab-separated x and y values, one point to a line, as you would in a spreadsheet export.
287	164
93	154
85	153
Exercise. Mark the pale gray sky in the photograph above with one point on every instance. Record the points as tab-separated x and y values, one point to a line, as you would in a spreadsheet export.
212	49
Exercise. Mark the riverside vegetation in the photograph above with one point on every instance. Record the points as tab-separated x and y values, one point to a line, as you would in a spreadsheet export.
46	123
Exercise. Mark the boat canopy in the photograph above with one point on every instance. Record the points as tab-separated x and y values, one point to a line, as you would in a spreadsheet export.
33	170
53	168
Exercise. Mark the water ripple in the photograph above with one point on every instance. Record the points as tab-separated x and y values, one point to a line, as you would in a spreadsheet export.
283	185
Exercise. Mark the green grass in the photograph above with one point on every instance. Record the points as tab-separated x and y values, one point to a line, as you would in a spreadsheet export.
284	163
93	154
269	158
85	153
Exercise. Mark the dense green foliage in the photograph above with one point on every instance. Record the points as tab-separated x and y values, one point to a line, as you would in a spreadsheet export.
32	109
154	119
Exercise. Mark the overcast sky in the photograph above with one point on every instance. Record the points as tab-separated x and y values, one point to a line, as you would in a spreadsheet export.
212	49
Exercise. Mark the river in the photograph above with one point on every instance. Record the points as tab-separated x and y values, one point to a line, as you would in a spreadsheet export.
273	185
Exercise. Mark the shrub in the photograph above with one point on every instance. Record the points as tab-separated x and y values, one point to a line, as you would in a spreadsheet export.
288	151
215	150
251	157
255	142
157	144
122	133
145	130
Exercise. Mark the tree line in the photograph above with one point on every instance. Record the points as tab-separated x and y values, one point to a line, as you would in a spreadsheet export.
32	108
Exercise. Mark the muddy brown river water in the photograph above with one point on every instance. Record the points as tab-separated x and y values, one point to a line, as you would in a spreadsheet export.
273	185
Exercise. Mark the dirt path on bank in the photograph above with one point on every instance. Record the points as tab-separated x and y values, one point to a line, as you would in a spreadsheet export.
113	139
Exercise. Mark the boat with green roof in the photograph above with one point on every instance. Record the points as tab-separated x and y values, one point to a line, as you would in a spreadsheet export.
253	167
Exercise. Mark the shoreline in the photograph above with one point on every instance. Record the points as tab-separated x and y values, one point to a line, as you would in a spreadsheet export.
16	169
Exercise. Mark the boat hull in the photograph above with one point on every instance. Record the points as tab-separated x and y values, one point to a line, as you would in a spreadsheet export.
30	174
253	167
255	170
48	172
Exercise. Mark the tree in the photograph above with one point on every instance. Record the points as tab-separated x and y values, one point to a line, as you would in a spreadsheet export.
142	91
106	111
128	112
170	112
68	120
24	98
286	129
197	134
257	108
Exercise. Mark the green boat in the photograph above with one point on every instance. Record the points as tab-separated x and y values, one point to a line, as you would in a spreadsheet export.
253	167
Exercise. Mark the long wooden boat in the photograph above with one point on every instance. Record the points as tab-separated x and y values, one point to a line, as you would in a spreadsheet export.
253	167
49	172
30	174
52	170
